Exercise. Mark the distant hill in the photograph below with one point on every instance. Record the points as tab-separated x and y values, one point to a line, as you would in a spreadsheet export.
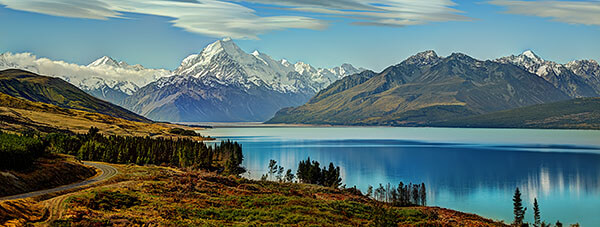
421	90
582	113
51	90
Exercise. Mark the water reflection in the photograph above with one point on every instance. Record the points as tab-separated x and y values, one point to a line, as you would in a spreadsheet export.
471	177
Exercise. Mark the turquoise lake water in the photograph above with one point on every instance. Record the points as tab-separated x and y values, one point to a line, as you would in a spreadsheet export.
471	170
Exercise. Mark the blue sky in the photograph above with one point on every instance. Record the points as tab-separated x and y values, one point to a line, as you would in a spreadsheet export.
372	34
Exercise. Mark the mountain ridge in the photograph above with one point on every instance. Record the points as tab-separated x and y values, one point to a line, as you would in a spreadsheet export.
422	89
51	90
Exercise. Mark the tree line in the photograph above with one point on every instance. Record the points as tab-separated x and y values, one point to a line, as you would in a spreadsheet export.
186	153
403	195
309	172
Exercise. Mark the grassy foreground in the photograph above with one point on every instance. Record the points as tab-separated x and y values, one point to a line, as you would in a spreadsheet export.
171	197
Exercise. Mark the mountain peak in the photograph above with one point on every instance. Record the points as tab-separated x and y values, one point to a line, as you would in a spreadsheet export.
531	55
423	58
224	45
105	60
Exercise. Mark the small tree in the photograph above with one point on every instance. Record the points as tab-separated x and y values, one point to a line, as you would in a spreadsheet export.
272	168
289	176
558	224
423	194
370	191
519	211
536	213
280	173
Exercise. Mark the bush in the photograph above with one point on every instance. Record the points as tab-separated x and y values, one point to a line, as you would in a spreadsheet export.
108	200
183	132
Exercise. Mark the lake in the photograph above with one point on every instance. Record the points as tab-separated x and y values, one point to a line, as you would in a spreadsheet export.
470	170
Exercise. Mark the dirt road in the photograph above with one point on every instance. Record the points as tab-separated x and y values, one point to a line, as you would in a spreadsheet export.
107	172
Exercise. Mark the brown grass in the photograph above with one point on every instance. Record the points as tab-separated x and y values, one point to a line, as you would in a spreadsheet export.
19	114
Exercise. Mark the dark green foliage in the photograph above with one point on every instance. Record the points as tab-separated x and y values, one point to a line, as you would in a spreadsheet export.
310	172
519	211
536	213
183	132
384	217
19	152
145	150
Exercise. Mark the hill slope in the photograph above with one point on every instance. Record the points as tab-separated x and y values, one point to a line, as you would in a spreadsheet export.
33	87
424	88
18	115
582	113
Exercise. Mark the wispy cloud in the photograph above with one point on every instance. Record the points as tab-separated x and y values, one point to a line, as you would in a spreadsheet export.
573	12
220	18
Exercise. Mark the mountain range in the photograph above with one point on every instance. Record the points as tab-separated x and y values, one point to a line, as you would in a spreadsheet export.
426	89
224	83
221	83
104	78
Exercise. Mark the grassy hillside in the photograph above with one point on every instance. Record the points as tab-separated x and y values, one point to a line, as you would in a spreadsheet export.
582	113
169	197
17	114
33	87
422	90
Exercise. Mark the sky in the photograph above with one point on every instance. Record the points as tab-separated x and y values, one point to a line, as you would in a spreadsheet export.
373	34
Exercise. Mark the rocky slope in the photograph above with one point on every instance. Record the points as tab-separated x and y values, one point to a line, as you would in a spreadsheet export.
422	89
577	78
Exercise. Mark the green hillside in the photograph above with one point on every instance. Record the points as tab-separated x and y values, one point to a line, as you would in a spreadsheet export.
582	113
33	87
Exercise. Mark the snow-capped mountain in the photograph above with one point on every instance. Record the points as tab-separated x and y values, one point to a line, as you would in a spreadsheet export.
224	61
104	78
576	79
224	83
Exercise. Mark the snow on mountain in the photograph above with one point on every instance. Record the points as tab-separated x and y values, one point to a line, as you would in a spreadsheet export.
225	62
100	78
428	57
576	78
224	83
533	64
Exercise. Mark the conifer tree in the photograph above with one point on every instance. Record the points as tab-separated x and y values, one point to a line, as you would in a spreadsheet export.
519	210
536	213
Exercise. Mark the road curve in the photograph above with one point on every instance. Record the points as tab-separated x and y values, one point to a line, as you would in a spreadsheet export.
107	173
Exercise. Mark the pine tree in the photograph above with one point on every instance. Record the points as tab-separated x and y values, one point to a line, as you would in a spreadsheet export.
536	213
370	191
519	211
423	194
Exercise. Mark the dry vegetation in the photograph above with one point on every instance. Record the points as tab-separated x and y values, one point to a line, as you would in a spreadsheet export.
46	172
171	197
18	115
